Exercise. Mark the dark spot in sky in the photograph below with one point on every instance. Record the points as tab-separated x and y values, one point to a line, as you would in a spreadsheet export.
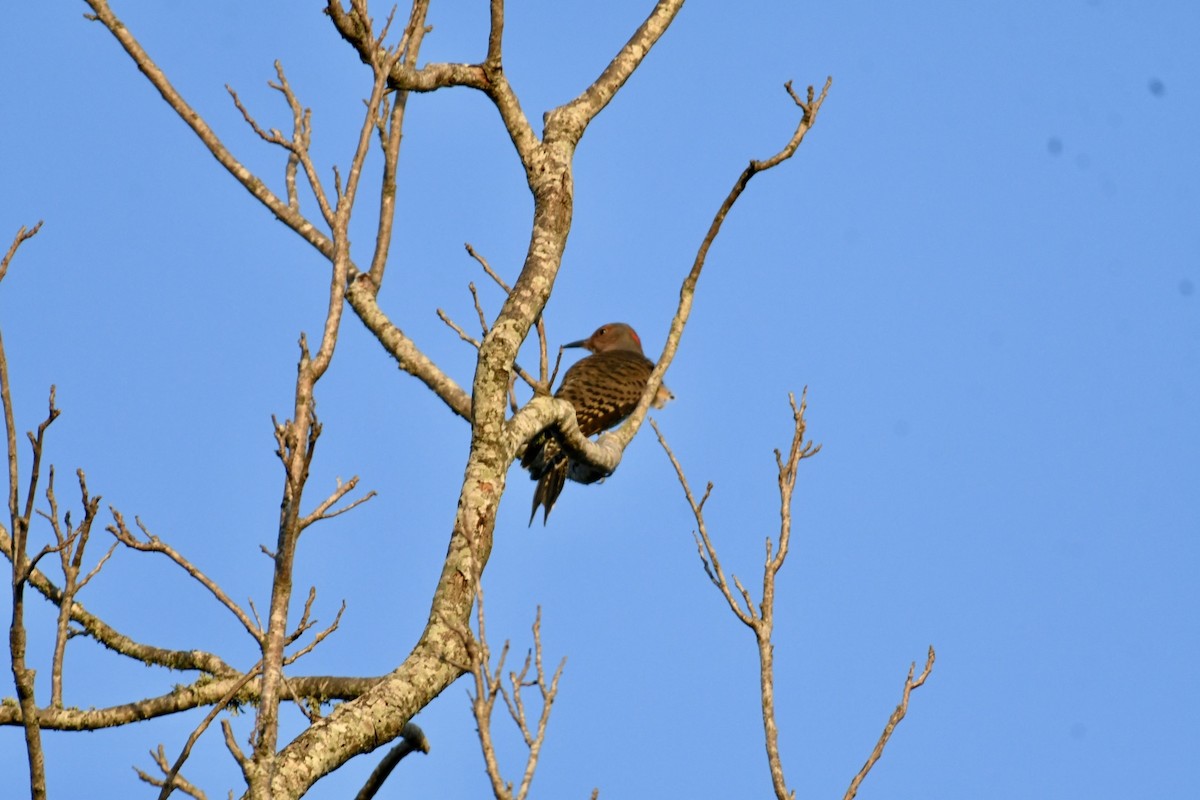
1157	87
1186	287
1054	145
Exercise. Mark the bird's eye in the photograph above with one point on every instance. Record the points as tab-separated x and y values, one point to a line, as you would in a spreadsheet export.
602	331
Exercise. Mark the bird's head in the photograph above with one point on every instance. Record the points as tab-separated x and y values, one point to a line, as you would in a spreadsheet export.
613	336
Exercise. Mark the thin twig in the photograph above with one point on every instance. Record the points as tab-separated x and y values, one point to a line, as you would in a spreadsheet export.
704	545
322	511
160	759
554	374
318	638
483	323
235	750
301	702
491	273
454	326
487	688
543	361
537	386
513	405
23	235
893	721
471	340
390	131
168	783
155	545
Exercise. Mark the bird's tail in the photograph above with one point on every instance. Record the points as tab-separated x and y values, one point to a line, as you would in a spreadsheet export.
539	452
549	485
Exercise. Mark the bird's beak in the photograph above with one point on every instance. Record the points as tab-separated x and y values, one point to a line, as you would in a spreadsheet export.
580	343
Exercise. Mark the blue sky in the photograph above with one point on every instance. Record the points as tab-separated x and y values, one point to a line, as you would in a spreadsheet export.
983	262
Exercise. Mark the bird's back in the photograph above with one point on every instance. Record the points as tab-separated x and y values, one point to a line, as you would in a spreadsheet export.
605	387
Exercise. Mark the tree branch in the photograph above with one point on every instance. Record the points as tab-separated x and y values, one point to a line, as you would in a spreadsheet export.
389	139
22	565
72	543
109	637
487	77
760	620
574	117
412	740
361	296
203	692
23	235
591	461
893	721
175	781
289	216
297	439
168	782
704	546
589	465
687	291
155	545
489	685
411	359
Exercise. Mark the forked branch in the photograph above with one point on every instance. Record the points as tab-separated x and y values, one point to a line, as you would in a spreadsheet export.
575	116
759	618
175	781
72	542
489	685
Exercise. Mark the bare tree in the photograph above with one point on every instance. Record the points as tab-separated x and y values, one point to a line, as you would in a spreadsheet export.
374	711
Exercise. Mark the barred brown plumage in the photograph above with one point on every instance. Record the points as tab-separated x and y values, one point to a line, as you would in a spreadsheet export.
604	388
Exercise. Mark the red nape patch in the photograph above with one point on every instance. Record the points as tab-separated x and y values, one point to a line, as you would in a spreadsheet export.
636	338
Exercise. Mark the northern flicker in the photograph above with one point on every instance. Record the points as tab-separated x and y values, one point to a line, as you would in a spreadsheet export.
604	388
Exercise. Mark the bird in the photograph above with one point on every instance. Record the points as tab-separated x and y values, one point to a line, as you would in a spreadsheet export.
604	388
